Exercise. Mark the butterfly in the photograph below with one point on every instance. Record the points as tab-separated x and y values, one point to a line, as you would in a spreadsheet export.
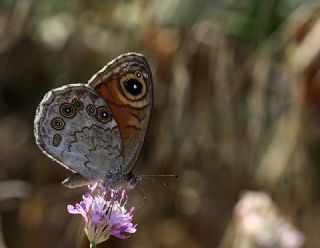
97	129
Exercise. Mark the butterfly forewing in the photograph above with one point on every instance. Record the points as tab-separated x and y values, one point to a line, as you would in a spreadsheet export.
126	85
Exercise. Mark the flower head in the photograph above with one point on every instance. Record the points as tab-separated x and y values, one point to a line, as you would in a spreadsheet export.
104	213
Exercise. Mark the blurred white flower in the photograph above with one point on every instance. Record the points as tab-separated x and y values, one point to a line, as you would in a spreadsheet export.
257	218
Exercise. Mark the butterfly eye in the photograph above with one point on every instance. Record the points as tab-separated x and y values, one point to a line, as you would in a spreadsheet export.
91	109
67	110
77	104
104	114
57	123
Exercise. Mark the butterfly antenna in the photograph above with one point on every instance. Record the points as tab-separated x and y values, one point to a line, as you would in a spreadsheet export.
159	175
149	177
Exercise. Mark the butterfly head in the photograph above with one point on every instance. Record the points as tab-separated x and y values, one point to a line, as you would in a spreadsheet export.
133	182
122	181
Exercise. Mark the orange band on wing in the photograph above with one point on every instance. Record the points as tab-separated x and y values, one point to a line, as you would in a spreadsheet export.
127	117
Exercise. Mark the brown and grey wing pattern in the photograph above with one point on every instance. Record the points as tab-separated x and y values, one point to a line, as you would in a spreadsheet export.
126	85
75	127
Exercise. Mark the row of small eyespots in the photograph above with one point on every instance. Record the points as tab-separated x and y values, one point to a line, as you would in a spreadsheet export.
68	110
101	113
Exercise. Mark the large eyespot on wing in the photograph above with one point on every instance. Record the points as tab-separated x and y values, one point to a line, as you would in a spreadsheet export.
133	86
126	85
75	127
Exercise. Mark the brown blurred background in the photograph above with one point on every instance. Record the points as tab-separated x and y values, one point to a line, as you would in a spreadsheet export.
237	107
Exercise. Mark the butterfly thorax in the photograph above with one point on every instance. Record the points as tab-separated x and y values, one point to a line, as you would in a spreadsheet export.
121	181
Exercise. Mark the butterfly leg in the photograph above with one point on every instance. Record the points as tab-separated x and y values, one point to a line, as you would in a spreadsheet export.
76	180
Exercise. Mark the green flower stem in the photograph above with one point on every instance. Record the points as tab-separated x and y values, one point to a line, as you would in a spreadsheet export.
92	245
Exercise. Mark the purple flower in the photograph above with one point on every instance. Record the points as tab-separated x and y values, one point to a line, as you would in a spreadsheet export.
104	213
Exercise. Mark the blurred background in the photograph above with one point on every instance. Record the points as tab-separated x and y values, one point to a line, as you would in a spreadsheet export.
237	109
